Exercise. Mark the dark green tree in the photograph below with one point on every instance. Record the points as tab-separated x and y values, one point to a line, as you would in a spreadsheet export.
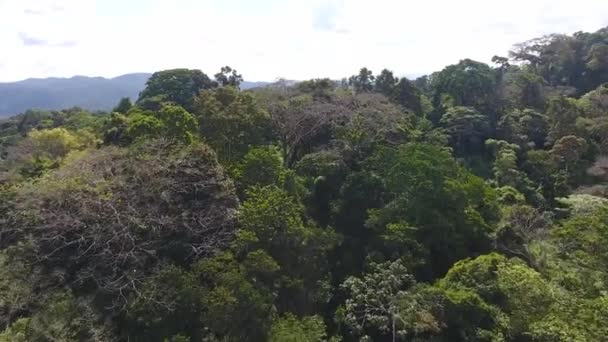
363	82
177	85
228	77
123	106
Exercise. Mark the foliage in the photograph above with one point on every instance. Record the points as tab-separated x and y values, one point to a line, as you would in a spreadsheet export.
171	122
231	122
375	302
467	129
291	329
437	207
466	205
363	82
271	220
468	83
108	215
179	86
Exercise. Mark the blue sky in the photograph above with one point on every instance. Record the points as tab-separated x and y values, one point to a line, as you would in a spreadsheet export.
269	39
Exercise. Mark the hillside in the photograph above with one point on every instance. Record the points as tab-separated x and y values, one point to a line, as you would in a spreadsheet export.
91	93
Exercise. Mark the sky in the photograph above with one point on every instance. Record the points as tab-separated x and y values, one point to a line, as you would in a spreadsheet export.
270	39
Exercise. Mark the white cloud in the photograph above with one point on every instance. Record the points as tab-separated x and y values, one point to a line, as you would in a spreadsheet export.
267	39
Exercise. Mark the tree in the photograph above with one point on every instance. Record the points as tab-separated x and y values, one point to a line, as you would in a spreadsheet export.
374	305
521	227
319	89
467	129
505	167
111	215
562	113
17	293
582	239
299	124
44	150
16	332
178	124
261	166
123	106
509	297
435	212
64	318
177	85
522	88
527	128
270	220
231	122
542	168
220	298
468	83
143	124
385	83
595	102
228	77
291	329
371	120
568	152
363	82
407	95
562	60
171	122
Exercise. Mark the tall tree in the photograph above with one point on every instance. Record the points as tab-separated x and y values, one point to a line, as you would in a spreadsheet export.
177	85
468	83
228	77
385	83
363	82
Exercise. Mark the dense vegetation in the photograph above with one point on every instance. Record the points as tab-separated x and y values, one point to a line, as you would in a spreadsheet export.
466	205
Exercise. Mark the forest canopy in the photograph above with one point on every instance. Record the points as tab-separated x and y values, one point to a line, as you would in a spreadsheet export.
465	205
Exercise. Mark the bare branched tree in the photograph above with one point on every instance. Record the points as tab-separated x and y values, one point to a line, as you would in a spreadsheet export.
111	216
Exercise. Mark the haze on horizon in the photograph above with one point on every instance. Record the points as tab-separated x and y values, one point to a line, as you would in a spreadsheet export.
269	39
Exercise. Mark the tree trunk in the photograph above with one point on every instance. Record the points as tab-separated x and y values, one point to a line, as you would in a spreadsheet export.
393	323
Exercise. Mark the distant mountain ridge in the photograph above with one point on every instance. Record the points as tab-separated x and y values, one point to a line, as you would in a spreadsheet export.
92	93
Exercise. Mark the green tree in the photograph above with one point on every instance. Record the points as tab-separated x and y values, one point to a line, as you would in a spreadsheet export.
171	122
435	209
562	113
319	89
407	95
528	128
567	61
228	77
385	83
467	129
231	122
261	166
363	82
505	168
64	318
221	297
123	106
569	152
177	85
271	220
374	306
543	169
291	329
44	150
468	83
509	297
16	332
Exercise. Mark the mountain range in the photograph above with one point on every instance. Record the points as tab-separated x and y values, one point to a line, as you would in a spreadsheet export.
92	93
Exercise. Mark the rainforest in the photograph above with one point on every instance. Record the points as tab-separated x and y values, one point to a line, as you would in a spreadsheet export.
469	204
